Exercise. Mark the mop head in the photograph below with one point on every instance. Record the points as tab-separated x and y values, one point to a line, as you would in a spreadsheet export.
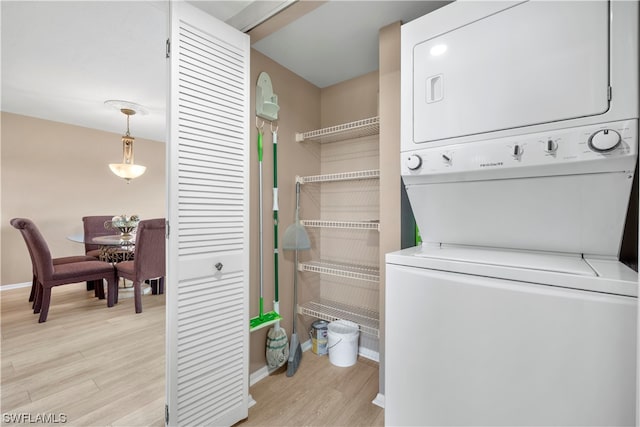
295	354
277	347
265	319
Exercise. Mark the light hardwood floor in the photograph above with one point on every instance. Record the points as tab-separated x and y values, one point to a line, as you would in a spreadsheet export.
98	366
106	367
319	394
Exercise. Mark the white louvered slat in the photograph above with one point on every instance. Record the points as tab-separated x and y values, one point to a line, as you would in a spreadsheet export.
209	221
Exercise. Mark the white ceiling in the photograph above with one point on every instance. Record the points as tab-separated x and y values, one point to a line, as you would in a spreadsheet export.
62	59
338	40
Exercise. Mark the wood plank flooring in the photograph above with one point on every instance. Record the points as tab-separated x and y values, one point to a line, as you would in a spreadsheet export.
98	366
319	394
106	367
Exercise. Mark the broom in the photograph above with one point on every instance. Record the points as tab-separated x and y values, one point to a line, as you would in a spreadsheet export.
295	238
277	351
295	352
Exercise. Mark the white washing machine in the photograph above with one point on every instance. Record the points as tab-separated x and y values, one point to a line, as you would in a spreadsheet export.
519	137
488	337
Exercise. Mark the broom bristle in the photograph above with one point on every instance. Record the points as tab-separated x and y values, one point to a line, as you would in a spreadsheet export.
295	354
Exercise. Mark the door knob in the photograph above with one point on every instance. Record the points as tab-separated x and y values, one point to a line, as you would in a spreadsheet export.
219	266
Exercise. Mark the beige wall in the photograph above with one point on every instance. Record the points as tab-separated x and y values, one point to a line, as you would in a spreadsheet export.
55	174
351	100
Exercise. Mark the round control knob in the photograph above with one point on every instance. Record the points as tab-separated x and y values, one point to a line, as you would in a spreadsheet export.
604	140
414	162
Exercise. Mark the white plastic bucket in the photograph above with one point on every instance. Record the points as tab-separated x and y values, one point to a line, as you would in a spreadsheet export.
343	342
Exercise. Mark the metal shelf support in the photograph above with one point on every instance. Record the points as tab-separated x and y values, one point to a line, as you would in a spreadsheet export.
351	225
357	129
367	320
342	176
369	274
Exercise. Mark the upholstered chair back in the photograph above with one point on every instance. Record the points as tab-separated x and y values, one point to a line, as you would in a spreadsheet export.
94	226
150	249
38	248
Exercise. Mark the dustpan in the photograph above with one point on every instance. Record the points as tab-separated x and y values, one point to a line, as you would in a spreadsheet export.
295	236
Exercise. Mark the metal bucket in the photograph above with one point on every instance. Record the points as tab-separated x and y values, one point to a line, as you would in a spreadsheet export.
318	334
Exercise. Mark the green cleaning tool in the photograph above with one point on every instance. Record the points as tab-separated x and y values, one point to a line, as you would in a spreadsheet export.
263	319
277	341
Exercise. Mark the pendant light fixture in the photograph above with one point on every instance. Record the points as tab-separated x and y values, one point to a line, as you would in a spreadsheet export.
127	170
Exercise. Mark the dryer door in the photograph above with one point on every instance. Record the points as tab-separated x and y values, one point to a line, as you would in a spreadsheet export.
532	63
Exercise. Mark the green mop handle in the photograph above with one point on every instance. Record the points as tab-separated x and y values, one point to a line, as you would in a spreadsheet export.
261	260
274	135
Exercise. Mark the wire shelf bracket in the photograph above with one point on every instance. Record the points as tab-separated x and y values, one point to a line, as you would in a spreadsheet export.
342	176
357	129
368	274
351	225
367	320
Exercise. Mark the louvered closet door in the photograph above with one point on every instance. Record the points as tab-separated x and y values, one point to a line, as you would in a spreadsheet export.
207	291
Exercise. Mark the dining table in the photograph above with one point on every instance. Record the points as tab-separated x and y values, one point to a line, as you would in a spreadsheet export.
113	248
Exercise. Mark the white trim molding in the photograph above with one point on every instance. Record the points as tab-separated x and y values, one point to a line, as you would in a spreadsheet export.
15	286
379	400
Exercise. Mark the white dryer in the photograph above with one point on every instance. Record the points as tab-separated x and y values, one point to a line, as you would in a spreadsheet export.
519	147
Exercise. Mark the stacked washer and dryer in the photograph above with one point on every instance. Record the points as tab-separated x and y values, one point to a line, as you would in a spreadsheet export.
519	147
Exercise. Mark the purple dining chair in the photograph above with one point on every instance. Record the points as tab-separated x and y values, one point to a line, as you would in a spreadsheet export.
56	261
49	275
149	262
94	226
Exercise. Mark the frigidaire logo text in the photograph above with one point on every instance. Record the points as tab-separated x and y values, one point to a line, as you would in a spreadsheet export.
487	165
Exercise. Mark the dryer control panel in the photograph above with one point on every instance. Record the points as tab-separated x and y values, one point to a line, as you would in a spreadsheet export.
596	148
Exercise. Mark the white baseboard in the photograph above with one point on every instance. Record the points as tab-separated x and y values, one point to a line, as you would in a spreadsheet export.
362	351
379	400
258	375
264	372
15	286
369	354
251	401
